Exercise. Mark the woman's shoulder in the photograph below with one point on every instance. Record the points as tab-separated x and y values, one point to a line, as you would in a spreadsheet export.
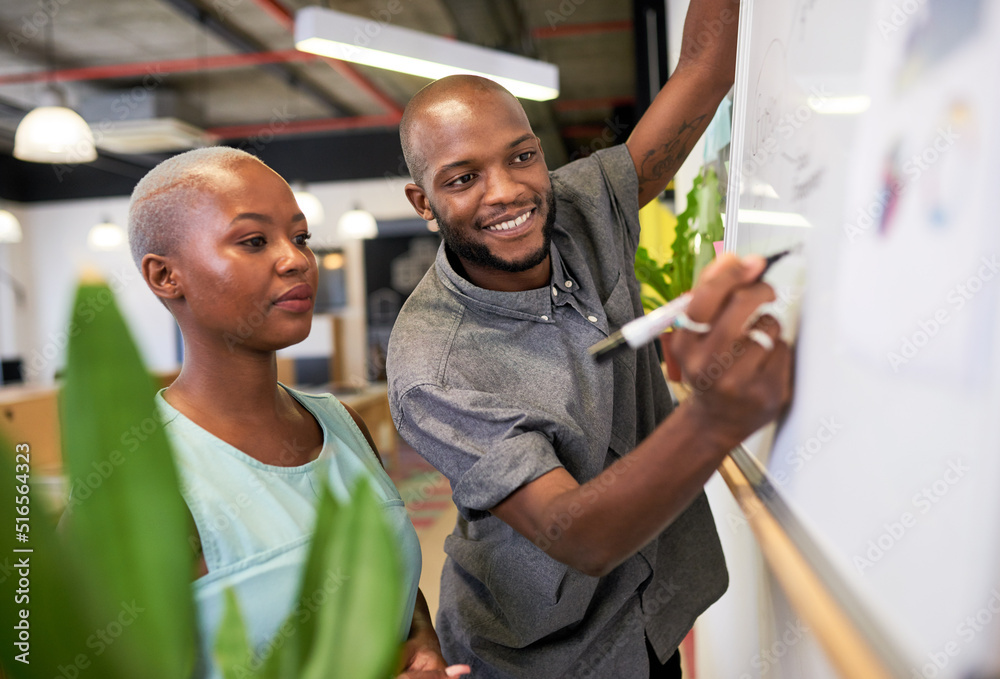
319	403
331	413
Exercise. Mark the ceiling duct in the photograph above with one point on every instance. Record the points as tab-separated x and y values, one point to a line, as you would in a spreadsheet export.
140	120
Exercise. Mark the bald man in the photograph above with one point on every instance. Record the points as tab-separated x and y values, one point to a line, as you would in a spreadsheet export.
584	545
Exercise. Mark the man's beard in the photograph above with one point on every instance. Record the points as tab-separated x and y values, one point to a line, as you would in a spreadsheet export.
479	253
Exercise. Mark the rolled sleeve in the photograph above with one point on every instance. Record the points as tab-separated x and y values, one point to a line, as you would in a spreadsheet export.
485	447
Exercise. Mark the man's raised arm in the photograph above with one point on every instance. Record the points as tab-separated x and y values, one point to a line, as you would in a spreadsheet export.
682	110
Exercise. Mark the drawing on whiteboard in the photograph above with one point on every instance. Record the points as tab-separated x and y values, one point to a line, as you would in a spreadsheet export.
771	80
957	144
802	14
933	162
941	27
891	189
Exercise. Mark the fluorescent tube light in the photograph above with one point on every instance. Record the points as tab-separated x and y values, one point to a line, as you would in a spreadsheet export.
840	106
772	218
372	43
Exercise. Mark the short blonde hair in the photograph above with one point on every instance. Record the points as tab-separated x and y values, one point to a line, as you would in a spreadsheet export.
163	198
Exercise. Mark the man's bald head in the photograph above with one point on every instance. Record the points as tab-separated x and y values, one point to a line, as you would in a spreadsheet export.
454	95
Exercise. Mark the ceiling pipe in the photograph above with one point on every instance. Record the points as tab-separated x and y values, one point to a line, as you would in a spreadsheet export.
248	59
161	66
568	30
244	43
305	126
222	61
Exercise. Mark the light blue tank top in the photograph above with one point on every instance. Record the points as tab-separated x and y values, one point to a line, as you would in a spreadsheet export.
255	519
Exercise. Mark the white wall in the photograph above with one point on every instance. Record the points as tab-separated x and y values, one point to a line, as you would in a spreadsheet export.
13	330
54	252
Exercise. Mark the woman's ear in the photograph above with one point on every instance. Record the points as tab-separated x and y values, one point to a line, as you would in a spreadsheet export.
161	277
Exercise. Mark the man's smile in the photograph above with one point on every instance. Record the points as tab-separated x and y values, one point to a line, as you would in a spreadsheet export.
514	225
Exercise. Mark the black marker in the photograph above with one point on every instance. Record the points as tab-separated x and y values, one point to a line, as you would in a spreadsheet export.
645	329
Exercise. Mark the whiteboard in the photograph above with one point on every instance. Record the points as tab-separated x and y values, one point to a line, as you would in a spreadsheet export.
870	132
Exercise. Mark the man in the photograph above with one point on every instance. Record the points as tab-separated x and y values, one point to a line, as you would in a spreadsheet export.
584	545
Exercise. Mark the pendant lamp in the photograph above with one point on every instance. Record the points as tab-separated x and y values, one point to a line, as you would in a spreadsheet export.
310	205
53	132
357	223
105	236
10	228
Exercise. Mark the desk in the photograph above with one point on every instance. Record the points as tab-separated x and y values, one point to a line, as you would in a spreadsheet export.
31	415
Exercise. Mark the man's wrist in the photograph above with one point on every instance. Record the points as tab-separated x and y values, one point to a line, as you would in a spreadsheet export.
709	431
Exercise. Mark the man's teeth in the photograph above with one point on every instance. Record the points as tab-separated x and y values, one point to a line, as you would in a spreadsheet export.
503	226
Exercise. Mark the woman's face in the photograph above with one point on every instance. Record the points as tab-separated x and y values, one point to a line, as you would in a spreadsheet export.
248	277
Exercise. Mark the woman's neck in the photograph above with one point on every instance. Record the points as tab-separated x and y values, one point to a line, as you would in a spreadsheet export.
234	386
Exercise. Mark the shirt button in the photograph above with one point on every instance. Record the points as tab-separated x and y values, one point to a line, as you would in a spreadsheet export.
555	291
545	318
569	284
592	319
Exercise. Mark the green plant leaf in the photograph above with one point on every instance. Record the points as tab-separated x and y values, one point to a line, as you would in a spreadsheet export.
656	276
353	586
682	259
330	519
58	629
128	520
232	649
709	207
708	222
649	302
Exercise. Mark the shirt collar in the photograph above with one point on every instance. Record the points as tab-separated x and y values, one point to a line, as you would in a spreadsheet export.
533	305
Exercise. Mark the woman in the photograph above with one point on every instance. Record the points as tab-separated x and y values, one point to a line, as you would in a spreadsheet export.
222	243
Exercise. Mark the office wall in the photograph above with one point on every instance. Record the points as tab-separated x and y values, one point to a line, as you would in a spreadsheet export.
54	252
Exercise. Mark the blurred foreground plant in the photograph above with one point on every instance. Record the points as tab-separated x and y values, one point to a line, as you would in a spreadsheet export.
111	597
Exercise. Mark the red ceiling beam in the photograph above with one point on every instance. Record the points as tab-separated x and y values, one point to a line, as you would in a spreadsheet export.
568	30
283	16
303	126
144	68
365	85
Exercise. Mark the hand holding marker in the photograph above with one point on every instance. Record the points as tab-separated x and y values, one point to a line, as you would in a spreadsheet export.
645	329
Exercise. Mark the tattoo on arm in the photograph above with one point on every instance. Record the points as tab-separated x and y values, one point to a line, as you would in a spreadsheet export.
662	162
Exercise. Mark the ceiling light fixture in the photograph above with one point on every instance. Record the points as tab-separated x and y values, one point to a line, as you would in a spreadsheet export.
310	205
53	132
105	236
350	38
10	228
357	223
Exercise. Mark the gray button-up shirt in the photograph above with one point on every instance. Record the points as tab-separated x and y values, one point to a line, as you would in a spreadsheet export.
496	389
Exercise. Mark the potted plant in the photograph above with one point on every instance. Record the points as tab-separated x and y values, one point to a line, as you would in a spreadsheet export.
699	226
110	596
